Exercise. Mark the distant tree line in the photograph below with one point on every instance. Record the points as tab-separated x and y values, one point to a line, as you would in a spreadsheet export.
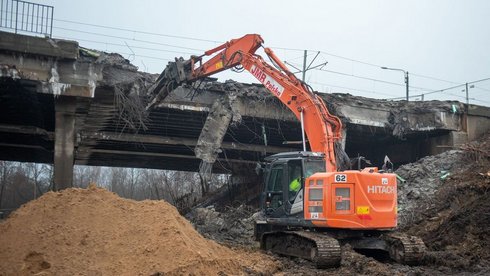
22	182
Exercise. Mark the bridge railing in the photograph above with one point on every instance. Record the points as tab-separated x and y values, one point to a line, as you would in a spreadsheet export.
22	16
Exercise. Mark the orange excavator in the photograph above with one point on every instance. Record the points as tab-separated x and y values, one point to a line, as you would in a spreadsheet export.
309	207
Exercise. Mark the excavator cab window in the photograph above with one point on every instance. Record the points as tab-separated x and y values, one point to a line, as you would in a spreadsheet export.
313	166
274	196
295	178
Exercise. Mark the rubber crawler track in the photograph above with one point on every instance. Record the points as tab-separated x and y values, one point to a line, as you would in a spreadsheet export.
405	249
320	248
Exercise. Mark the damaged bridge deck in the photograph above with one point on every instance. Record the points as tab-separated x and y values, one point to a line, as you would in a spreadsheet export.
63	104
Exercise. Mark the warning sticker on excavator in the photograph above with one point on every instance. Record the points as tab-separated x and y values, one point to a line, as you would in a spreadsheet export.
219	65
362	210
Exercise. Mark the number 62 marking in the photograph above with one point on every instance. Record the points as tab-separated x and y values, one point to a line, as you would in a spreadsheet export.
340	178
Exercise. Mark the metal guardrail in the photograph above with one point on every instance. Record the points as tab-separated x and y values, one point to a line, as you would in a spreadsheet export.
22	16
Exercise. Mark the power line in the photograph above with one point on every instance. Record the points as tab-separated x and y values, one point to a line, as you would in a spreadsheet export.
127	38
137	31
371	79
214	41
484	89
368	78
350	88
136	55
351	59
452	87
443	80
432	78
366	63
124	45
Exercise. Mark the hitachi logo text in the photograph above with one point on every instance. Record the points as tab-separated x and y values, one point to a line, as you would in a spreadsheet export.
380	189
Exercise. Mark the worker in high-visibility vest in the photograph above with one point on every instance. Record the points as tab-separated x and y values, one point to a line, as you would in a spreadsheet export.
295	185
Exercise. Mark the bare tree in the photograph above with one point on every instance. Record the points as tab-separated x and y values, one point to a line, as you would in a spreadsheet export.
6	169
21	182
84	175
39	176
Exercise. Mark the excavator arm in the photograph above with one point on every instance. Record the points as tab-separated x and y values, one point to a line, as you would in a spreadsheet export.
321	127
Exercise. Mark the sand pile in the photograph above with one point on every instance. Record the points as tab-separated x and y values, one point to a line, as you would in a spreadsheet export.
93	231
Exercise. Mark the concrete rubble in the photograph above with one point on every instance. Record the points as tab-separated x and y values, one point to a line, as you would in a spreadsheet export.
234	225
422	180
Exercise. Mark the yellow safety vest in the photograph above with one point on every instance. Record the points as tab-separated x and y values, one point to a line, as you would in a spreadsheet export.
295	185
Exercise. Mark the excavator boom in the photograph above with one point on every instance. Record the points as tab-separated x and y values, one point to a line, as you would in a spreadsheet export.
321	127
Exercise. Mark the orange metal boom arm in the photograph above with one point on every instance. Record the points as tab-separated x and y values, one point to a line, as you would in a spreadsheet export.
321	127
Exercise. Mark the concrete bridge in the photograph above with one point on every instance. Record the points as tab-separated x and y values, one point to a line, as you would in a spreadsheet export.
63	104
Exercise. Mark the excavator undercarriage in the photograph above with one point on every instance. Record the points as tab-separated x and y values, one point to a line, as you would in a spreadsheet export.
324	248
319	248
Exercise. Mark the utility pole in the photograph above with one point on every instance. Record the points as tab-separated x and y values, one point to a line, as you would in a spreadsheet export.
307	67
406	82
467	97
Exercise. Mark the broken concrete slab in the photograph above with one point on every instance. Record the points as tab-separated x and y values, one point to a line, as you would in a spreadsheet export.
400	116
32	45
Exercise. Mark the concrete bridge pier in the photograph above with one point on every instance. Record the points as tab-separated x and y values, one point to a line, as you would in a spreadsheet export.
64	142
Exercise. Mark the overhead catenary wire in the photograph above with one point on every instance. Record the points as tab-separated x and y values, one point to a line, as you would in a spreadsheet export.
456	86
216	41
129	38
429	91
364	62
138	31
124	45
352	89
365	78
450	88
443	80
371	79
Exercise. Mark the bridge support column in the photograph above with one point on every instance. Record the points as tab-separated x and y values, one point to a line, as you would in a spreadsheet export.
64	143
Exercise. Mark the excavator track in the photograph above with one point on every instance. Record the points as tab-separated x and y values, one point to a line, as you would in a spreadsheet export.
405	249
319	248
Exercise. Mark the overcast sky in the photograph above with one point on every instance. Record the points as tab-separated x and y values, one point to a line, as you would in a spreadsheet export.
446	40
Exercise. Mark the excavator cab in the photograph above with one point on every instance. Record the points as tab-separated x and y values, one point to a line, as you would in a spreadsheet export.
304	206
284	182
299	192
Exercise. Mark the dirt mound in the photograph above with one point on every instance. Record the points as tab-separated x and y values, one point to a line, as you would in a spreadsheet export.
93	231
